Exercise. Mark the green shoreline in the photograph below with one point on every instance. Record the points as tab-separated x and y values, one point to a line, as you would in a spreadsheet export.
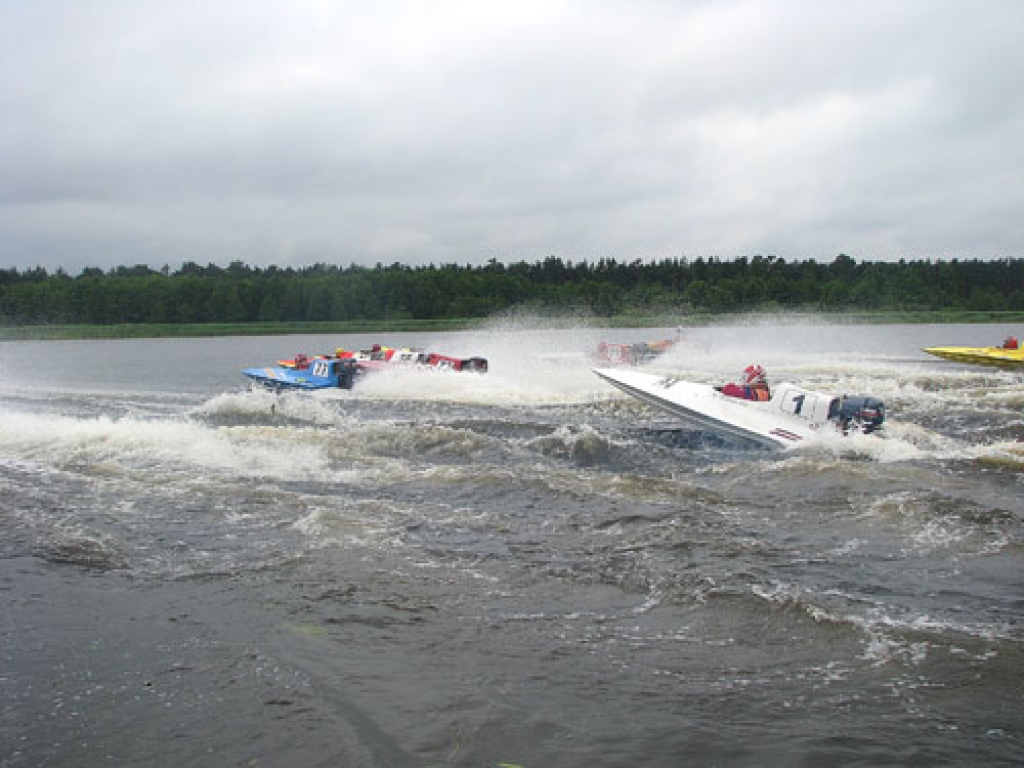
195	330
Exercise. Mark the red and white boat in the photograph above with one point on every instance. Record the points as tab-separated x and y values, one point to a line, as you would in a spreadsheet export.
379	357
635	353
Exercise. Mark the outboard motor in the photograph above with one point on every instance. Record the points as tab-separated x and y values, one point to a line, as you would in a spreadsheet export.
347	371
862	413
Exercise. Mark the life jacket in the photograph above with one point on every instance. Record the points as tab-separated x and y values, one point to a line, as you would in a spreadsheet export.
760	394
1011	343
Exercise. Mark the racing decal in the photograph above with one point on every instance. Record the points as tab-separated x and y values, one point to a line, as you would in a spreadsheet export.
321	369
806	405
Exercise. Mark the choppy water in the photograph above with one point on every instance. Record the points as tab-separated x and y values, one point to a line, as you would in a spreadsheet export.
522	568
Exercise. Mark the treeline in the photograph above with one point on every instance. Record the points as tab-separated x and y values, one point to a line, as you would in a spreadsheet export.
325	292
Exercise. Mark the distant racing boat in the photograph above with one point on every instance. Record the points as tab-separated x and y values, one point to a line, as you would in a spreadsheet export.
1009	355
636	353
303	373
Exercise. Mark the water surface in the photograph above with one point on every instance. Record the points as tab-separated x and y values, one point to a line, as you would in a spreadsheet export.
520	568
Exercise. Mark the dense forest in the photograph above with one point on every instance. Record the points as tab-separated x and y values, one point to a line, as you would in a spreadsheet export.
325	292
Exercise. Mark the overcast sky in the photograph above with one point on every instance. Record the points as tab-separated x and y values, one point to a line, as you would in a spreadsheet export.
292	132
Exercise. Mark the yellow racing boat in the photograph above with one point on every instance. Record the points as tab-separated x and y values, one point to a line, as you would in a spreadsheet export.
1009	355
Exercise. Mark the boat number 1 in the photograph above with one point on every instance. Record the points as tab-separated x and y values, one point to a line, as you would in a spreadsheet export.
321	369
798	404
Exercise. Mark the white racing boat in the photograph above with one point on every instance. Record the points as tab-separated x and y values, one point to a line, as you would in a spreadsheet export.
791	415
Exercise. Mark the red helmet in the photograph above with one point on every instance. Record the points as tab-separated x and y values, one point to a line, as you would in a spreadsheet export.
754	374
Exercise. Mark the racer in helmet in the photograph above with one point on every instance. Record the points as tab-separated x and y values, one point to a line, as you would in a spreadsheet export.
753	386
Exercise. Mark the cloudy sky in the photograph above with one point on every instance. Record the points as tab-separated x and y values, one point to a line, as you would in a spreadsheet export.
291	132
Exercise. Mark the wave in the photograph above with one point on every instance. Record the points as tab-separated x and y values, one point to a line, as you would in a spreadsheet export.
258	404
137	444
888	631
83	550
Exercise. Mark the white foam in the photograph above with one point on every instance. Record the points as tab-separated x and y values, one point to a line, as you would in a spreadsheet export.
312	407
245	451
522	380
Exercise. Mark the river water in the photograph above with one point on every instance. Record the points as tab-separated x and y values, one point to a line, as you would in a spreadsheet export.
523	568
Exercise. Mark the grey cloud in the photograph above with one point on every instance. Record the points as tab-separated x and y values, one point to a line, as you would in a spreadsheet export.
418	132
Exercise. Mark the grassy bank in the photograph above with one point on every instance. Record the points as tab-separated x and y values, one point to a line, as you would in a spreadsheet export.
664	320
192	330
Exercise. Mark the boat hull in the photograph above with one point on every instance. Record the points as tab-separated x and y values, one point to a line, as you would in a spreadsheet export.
672	401
993	356
792	416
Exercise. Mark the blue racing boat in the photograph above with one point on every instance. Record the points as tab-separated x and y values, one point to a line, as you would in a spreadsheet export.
318	373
